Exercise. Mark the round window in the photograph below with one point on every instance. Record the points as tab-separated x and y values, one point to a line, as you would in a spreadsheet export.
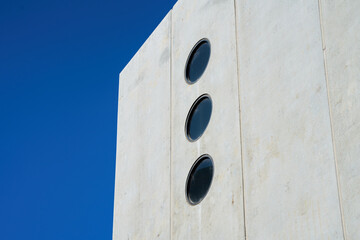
198	117
199	179
197	61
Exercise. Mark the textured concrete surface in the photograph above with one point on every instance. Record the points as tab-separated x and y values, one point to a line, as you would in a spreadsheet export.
284	132
142	185
289	171
341	37
220	214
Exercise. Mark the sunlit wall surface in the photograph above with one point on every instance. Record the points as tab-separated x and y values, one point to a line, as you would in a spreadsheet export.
241	119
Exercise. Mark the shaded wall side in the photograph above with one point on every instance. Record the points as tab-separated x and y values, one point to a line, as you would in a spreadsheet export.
289	169
142	184
341	37
220	214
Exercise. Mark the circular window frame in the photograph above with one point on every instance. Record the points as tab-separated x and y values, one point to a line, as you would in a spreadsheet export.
205	95
189	56
188	177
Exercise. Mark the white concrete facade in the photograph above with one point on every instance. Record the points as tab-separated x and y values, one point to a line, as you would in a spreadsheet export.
284	135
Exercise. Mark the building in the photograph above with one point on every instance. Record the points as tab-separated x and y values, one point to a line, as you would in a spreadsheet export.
241	120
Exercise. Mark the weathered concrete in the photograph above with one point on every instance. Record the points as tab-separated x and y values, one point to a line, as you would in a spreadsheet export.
142	192
341	37
284	132
220	214
289	170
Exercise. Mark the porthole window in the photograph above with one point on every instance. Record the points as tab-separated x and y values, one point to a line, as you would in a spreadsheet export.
199	179
198	117
197	61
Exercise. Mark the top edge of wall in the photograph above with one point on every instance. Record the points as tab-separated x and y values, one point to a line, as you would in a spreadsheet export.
151	36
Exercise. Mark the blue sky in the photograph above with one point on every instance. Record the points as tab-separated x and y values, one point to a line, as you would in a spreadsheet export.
59	66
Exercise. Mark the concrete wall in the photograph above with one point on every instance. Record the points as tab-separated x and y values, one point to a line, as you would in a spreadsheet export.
220	214
142	183
341	48
290	176
284	132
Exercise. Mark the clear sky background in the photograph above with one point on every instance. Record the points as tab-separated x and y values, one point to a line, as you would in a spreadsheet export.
59	67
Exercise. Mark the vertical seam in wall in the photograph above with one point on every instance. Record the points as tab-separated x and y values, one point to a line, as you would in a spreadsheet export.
171	49
240	127
331	122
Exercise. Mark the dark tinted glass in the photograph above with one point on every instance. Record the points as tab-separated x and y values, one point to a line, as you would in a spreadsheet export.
198	117
199	179
198	61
